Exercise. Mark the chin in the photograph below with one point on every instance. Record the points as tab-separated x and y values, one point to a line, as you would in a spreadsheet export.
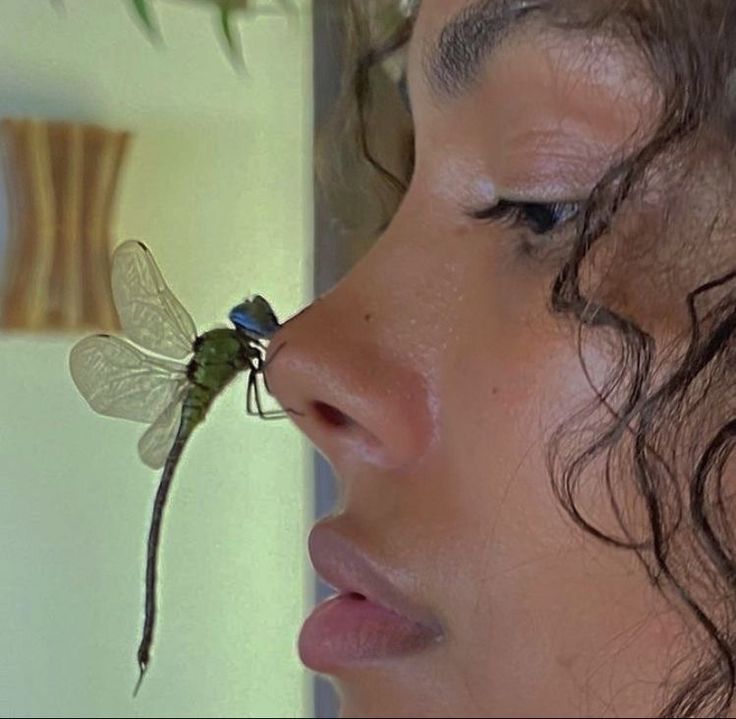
395	694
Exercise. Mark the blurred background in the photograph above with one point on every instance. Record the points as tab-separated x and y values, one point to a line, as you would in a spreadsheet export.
163	121
217	181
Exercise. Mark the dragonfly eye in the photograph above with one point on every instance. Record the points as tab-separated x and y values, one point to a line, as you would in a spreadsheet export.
255	317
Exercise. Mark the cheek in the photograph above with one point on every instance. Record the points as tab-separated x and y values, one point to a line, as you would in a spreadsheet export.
500	403
503	403
539	597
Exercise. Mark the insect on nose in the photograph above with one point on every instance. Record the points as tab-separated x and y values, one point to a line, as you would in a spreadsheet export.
353	400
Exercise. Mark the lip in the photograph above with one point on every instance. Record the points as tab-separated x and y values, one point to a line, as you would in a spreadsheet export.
369	619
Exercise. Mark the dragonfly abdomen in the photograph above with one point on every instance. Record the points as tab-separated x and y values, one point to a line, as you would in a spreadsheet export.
194	409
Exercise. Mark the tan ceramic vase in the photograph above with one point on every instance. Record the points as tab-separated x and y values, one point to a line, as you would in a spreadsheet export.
61	180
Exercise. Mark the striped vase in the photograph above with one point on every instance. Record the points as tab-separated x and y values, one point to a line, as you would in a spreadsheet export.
61	180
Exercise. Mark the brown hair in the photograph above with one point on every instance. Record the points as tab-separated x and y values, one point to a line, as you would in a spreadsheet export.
669	423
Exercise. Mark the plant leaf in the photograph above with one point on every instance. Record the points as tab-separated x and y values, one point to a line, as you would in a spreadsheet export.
145	15
231	38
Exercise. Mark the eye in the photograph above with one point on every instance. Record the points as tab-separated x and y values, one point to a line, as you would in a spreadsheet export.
541	218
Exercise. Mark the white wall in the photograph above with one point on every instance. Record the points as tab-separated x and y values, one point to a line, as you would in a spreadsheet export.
218	184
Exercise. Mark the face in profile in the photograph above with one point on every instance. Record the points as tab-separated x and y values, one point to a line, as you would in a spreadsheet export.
434	378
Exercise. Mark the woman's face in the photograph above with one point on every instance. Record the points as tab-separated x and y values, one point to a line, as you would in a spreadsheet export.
433	375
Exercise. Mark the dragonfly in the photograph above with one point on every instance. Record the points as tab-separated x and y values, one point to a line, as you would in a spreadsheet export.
164	374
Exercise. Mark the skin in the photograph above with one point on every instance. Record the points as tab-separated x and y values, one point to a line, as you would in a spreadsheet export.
432	376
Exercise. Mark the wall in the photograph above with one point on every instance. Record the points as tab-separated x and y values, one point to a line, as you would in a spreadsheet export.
218	184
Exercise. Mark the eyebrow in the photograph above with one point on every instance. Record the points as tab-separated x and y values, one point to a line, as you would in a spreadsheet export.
453	62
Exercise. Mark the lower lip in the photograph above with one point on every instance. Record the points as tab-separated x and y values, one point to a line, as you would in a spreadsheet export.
348	629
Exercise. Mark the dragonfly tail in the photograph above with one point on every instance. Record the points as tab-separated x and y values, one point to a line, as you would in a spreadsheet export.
154	534
143	668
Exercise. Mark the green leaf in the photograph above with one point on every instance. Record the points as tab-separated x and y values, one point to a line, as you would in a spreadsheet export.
143	11
231	38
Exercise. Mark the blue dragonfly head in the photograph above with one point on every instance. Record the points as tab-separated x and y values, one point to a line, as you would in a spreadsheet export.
255	317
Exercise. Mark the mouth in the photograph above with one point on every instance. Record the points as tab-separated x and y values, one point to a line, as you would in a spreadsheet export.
368	619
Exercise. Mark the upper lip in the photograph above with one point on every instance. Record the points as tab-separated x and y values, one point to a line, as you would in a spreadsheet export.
342	565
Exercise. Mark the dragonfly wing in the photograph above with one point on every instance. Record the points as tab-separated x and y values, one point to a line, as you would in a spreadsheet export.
157	440
118	380
150	314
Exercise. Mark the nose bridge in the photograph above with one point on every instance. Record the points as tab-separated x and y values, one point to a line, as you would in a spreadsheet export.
355	366
399	284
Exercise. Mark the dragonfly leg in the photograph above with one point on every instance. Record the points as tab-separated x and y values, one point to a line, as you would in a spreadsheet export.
261	369
253	395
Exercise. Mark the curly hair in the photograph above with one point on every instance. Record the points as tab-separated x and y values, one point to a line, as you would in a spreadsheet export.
664	423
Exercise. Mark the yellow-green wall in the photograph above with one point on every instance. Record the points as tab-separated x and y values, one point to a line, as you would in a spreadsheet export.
218	184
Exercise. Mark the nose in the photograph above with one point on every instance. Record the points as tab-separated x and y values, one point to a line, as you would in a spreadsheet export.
357	399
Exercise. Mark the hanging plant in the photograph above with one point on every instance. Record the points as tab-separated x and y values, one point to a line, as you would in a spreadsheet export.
226	11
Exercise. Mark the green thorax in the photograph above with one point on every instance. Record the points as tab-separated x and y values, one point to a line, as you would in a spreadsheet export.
218	356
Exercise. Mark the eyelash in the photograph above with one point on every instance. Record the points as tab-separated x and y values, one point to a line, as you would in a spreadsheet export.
529	215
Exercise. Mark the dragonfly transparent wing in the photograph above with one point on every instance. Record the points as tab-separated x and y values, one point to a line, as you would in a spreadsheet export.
157	440
118	380
150	314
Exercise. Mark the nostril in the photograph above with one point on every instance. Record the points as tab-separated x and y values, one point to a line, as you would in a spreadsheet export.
331	415
332	420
